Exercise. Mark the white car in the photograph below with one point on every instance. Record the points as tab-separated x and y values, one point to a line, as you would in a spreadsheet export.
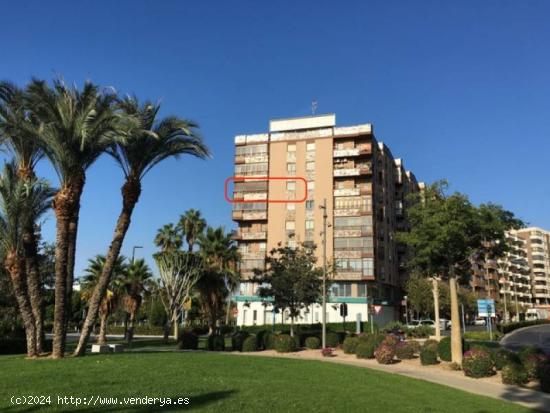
480	321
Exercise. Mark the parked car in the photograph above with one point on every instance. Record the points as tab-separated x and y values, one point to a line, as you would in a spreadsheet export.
413	323
418	323
480	321
444	323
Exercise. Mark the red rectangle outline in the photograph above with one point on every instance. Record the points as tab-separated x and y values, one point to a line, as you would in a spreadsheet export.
267	178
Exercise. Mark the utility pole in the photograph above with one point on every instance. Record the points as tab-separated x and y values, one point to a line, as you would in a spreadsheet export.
134	251
324	316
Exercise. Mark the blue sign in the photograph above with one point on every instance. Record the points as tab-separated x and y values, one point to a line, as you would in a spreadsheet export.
486	308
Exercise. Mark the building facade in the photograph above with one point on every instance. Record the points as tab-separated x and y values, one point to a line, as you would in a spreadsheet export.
283	177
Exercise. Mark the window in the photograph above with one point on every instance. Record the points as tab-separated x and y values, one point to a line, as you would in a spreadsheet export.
368	266
310	147
291	206
291	168
251	149
291	185
309	224
291	147
292	243
310	205
290	225
310	185
362	289
310	166
349	264
341	289
263	246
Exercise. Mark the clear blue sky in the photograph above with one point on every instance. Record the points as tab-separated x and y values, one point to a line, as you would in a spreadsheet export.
459	90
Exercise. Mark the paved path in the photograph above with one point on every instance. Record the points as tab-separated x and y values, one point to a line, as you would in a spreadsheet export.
485	387
538	336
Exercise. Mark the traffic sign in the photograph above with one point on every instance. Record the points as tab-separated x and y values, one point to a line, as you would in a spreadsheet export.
486	308
377	309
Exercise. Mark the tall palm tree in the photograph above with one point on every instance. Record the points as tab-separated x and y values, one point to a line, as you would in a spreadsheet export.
168	238
113	293
135	283
12	198
192	225
18	132
146	143
76	127
220	275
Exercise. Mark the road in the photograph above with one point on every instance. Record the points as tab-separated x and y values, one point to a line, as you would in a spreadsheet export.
538	336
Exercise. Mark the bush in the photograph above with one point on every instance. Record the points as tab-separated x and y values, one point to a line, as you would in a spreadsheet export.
268	340
502	357
250	344
514	373
332	339
313	343
365	350
237	340
216	343
482	335
543	374
384	354
421	332
478	363
390	340
285	344
405	350
444	348
260	339
145	330
415	345
327	352
507	328
527	351
428	353
350	344
532	363
188	341
394	325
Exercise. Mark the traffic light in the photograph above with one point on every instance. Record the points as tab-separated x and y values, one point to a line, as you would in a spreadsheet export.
343	310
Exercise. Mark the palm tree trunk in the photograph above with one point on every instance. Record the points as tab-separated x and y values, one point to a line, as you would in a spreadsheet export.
131	327
131	191
435	291
33	284
456	339
14	265
73	229
102	336
64	205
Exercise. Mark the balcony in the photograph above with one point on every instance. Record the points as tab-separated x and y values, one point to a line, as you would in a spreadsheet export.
344	153
256	255
249	235
241	215
352	212
347	192
347	172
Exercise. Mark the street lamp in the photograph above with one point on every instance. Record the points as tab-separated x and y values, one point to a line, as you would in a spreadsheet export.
134	251
324	233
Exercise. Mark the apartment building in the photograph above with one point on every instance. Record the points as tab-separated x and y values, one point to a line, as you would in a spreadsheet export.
282	179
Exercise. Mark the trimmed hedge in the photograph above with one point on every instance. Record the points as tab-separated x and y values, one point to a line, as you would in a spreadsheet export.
237	340
188	341
478	363
428	353
507	328
313	343
350	344
514	373
311	328
365	350
250	344
285	343
502	357
404	350
145	330
268	340
482	335
421	332
332	339
215	343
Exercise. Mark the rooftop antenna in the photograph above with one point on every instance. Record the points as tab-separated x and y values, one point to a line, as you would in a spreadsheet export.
313	107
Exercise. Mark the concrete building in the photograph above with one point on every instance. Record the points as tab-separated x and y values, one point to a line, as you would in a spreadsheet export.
309	160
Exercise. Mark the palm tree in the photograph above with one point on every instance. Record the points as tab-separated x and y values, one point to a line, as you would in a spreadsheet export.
220	275
135	283
146	143
113	293
18	132
192	226
168	238
11	216
76	127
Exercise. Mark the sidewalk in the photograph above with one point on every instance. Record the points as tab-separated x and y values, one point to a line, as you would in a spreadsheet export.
490	387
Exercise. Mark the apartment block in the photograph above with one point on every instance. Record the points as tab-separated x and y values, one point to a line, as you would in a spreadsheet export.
310	161
537	246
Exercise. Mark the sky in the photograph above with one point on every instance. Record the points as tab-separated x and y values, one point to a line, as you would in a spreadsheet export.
459	90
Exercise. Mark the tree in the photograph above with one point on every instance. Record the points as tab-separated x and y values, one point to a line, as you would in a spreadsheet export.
168	238
147	141
75	128
192	225
219	276
135	283
179	271
291	280
111	296
419	294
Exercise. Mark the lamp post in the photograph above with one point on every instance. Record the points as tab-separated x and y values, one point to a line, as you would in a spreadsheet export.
324	315
134	251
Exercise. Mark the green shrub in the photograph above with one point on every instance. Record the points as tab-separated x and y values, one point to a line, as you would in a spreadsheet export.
250	344
216	342
365	350
237	340
428	353
375	338
415	345
260	339
332	339
507	328
527	351
532	363
384	354
285	343
394	325
544	376
188	341
502	357
405	350
145	330
313	342
478	363
268	340
482	335
349	345
421	332
444	349
514	373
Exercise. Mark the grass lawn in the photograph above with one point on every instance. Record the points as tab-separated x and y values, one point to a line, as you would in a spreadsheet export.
230	383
